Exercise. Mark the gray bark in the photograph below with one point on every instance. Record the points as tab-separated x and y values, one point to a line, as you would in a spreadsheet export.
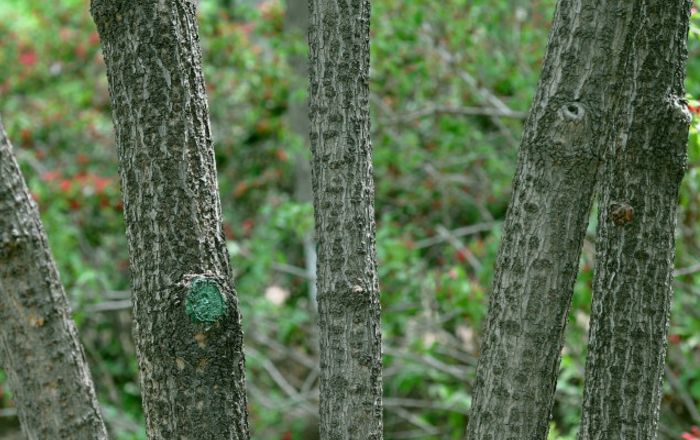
644	165
348	291
296	26
187	320
41	353
544	228
584	99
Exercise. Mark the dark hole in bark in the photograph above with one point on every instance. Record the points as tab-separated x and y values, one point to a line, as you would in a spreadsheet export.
572	111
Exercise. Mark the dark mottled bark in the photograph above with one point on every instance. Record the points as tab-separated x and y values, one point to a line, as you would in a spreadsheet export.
544	227
644	165
348	292
584	110
41	353
187	321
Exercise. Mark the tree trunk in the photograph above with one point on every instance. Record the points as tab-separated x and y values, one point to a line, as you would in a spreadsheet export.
296	22
41	353
644	165
348	291
187	320
567	131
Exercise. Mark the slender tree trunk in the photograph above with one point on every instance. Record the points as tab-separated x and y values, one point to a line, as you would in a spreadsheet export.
348	291
644	165
296	26
568	129
187	320
41	353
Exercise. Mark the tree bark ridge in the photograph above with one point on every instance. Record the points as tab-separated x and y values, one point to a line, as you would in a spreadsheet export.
565	137
348	292
644	164
192	373
41	352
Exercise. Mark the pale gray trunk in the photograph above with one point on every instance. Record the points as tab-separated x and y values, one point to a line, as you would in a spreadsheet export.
187	320
41	353
644	164
348	292
296	26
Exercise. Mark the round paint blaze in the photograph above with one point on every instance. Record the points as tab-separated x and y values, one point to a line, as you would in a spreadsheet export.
205	303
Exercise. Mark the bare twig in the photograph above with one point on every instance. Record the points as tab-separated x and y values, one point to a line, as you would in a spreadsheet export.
454	371
459	232
457	244
436	110
293	270
687	270
684	396
288	352
109	306
281	382
393	402
425	427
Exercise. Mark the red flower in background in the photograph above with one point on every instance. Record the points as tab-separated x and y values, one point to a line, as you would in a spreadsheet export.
28	58
65	185
694	434
94	38
49	176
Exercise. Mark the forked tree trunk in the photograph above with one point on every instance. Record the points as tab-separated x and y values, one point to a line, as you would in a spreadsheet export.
348	292
41	353
644	164
584	110
187	322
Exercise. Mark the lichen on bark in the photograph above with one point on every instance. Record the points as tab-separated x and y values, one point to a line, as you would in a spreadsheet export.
192	383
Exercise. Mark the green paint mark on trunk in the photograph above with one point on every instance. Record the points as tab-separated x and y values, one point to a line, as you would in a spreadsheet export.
205	303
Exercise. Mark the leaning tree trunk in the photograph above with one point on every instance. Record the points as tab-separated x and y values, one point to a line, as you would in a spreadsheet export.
644	165
41	353
348	291
187	322
571	125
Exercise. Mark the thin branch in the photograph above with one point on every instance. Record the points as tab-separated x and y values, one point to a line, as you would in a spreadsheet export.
293	270
457	244
437	110
459	232
687	270
393	402
281	382
288	352
109	306
684	396
425	427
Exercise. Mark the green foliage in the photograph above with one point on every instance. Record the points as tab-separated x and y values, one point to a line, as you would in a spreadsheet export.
438	168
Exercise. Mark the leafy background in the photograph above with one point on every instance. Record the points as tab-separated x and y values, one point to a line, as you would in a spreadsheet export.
443	166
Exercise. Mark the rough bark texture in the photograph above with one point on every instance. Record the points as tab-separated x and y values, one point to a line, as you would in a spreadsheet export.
41	353
348	292
644	164
564	138
189	341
